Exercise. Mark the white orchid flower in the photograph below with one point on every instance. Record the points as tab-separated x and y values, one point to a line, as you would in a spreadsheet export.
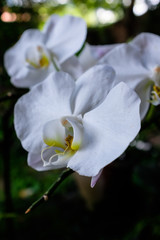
82	125
137	63
38	53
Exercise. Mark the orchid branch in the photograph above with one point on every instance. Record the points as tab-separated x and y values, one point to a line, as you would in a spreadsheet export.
51	190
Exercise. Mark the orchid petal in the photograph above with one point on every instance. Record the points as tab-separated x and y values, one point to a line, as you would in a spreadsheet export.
73	67
92	87
67	38
143	90
108	130
49	26
98	51
126	61
45	102
86	58
29	76
95	178
149	47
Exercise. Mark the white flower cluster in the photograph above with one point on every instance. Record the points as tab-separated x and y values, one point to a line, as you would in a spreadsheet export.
81	111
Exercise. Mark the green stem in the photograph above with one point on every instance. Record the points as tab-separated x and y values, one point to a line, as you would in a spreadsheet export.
51	190
55	65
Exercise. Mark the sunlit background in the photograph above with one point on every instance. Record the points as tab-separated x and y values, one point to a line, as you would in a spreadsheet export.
94	12
125	203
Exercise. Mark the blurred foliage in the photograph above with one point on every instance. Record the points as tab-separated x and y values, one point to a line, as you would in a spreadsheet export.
129	208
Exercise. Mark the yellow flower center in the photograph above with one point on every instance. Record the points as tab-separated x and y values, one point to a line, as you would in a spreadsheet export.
44	61
157	89
37	57
155	95
69	140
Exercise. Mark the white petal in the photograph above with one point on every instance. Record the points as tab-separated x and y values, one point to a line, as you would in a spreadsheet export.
73	67
95	178
67	38
143	90
98	51
149	47
28	76
127	63
50	25
86	58
129	67
92	88
14	58
108	130
46	101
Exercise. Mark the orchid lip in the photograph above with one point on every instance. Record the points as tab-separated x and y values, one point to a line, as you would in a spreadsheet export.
38	57
59	152
63	137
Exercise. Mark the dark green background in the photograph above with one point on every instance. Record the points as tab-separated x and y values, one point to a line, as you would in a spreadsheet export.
129	190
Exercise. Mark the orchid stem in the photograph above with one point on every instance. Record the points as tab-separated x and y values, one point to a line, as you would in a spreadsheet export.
55	65
51	190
